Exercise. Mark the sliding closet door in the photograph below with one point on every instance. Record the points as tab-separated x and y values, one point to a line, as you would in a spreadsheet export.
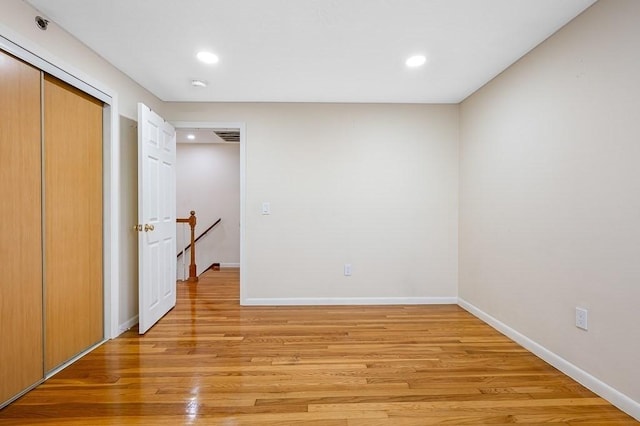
20	228
73	221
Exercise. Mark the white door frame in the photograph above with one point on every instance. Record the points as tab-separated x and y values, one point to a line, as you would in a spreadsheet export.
38	57
230	125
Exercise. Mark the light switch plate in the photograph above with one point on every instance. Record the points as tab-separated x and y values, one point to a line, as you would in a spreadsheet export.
347	269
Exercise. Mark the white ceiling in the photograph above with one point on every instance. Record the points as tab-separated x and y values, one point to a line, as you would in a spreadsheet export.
312	50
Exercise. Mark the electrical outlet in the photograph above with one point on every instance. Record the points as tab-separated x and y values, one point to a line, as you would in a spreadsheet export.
581	318
347	269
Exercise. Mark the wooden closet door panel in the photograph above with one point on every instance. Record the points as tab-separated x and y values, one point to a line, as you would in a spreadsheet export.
21	354
73	221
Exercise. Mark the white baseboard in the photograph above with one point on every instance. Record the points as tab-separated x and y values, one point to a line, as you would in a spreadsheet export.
612	395
301	301
127	325
229	265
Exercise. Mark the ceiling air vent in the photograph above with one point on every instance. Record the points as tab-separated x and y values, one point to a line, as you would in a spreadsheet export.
229	135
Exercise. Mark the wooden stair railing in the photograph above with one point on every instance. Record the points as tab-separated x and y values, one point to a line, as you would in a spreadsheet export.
200	236
192	266
191	220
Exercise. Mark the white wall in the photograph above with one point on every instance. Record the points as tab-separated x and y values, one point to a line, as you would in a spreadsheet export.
370	185
208	181
550	194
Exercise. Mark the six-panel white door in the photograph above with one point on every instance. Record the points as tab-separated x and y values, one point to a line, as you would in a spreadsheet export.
156	217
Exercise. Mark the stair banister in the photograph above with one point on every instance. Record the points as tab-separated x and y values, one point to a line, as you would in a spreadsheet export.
191	220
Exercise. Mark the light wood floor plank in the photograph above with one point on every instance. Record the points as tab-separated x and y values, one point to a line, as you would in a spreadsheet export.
210	361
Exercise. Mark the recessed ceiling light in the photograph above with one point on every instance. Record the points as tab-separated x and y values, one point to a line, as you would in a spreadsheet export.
198	83
416	61
207	57
191	137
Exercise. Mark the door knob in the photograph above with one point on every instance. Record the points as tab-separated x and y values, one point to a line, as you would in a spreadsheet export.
148	227
137	228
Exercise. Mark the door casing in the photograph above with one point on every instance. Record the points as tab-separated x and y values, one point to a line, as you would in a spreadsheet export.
243	190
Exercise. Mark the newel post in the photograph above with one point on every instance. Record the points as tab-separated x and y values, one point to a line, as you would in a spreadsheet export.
193	277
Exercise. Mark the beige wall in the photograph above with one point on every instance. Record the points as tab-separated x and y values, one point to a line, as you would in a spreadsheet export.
208	181
128	249
550	194
370	185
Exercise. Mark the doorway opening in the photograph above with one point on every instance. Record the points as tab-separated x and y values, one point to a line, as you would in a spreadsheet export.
210	181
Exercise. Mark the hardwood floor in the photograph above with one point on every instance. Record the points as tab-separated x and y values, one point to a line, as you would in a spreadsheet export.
210	361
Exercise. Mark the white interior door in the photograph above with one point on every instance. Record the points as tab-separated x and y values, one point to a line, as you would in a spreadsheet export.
156	217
